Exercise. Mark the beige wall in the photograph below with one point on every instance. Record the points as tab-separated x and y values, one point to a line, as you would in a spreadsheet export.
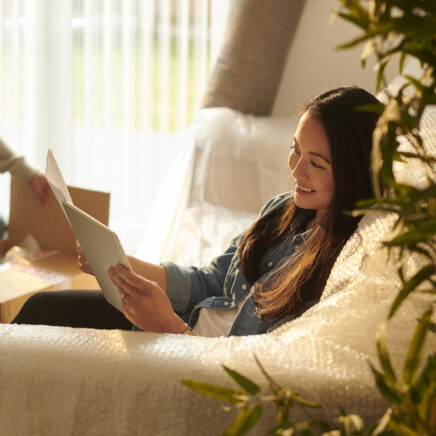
313	63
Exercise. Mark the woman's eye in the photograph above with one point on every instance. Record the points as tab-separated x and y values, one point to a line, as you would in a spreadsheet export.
315	165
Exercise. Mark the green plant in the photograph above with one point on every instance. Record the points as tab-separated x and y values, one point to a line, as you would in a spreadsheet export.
412	398
406	29
391	30
249	403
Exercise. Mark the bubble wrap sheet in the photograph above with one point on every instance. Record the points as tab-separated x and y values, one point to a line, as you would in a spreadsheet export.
88	382
61	381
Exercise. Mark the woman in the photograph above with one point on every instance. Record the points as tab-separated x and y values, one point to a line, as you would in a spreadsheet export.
278	268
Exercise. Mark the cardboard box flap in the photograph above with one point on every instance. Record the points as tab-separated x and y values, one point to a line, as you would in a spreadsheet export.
49	225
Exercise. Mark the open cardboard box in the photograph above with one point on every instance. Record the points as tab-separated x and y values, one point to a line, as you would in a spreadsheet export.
57	267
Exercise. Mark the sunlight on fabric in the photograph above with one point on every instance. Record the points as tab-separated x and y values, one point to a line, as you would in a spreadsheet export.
105	84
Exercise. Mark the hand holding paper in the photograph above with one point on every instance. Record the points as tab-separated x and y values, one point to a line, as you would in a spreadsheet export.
100	244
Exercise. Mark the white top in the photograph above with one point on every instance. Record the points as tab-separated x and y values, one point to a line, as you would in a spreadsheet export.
212	323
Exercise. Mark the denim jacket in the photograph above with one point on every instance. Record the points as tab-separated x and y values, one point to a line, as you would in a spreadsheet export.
221	285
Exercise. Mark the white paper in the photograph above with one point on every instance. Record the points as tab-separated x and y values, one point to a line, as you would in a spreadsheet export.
57	182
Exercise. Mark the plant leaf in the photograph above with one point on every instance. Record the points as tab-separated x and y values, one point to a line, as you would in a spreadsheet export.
351	423
402	429
401	62
386	389
373	108
418	85
381	29
414	352
273	383
380	71
411	237
357	21
366	203
305	402
244	421
383	354
422	275
242	381
420	388
217	392
383	423
368	49
426	225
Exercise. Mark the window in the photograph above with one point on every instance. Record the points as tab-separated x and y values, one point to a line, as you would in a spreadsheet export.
105	84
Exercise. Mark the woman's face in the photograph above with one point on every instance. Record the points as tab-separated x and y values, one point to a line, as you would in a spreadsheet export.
311	166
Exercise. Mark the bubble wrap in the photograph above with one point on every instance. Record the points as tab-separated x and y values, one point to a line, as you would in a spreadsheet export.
62	381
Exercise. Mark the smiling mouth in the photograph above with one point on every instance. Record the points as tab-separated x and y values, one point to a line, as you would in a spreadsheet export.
301	188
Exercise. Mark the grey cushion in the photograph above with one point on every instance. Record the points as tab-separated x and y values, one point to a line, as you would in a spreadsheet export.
251	62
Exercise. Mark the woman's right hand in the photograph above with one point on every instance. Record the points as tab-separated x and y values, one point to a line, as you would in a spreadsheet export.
81	260
145	303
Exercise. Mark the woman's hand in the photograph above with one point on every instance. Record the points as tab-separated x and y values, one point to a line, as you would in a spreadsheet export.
81	260
145	303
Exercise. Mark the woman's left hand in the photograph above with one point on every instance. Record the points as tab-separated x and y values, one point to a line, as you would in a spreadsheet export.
145	304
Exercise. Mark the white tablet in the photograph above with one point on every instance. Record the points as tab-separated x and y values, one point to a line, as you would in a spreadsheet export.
102	249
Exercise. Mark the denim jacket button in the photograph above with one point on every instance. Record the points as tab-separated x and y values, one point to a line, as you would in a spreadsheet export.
244	286
270	264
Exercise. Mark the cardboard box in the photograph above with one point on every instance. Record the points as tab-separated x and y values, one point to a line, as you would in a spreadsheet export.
57	267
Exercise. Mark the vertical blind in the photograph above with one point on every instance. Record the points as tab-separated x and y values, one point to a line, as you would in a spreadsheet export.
105	84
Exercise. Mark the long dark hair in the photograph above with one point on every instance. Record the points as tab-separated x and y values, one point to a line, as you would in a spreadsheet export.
302	277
